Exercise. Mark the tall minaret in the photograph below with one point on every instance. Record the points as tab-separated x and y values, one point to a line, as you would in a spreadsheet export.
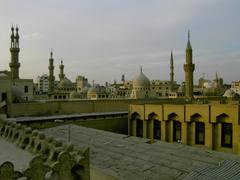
189	68
14	49
51	77
61	67
171	72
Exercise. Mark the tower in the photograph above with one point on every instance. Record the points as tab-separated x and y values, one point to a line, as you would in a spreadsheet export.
189	68
51	77
14	50
171	72
123	78
61	67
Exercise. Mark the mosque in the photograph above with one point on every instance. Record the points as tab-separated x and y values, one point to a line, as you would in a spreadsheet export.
170	128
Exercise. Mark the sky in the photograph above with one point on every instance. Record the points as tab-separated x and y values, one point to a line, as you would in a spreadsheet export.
103	39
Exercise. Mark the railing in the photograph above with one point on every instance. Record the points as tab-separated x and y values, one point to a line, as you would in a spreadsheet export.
53	160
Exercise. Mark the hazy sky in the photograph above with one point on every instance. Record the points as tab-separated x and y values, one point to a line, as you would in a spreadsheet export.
102	39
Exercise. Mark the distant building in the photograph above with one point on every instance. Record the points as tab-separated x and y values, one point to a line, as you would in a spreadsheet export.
42	84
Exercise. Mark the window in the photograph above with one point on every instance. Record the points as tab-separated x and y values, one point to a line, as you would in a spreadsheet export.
139	128
157	129
200	133
176	131
26	89
226	135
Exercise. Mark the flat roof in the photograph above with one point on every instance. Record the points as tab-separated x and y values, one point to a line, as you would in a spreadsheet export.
67	116
128	157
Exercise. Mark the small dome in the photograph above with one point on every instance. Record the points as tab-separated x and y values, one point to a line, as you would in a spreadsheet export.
65	83
92	90
17	94
208	84
229	93
74	94
181	88
141	80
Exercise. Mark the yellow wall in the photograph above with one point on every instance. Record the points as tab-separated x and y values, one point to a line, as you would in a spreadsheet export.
188	114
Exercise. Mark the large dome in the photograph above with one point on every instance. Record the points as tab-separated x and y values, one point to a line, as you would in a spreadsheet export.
65	83
18	94
141	80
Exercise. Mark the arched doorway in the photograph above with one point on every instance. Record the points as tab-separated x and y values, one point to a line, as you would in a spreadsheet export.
222	132
135	127
153	127
196	130
173	128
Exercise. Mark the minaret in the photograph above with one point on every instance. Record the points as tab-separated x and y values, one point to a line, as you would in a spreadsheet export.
14	49
217	80
171	72
61	67
51	77
189	68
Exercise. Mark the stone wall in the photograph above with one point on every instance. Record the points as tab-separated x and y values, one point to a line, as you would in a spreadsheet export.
71	107
54	159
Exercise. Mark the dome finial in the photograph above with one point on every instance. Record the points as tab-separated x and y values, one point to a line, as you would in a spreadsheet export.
93	83
141	69
188	35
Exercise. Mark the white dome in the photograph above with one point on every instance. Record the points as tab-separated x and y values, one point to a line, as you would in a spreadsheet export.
65	83
17	94
229	93
141	80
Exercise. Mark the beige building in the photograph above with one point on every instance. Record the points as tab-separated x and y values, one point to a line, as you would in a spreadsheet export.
211	126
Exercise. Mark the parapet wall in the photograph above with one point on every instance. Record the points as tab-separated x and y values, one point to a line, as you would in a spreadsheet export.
71	107
53	158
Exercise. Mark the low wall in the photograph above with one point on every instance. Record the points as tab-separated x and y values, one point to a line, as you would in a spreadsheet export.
71	107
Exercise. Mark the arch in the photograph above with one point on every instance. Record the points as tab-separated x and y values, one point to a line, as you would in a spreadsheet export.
172	116
222	118
195	117
152	116
135	115
153	126
135	126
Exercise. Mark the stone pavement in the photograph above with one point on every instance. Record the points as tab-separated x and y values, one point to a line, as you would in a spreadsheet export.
133	158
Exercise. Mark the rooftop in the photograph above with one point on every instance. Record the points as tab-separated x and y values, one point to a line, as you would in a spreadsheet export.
127	157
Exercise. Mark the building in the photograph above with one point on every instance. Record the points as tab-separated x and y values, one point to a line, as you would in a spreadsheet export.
42	84
211	126
13	88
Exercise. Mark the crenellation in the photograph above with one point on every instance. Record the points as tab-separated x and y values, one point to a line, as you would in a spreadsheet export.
50	153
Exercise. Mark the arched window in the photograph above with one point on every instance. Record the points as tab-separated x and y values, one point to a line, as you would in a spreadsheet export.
177	131
226	139
200	133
